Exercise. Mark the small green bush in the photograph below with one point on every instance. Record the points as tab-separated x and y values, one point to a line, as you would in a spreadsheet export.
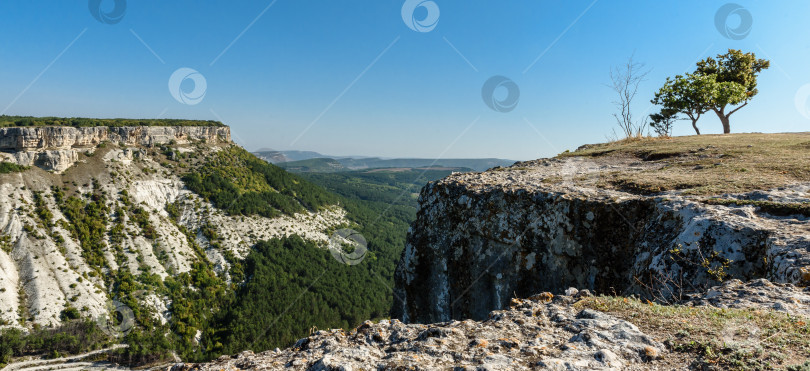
7	167
69	313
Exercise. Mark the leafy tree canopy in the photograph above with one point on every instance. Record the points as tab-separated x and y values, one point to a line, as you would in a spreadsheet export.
690	94
663	121
736	67
735	81
728	80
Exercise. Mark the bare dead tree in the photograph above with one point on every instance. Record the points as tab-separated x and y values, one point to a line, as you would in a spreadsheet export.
625	81
666	288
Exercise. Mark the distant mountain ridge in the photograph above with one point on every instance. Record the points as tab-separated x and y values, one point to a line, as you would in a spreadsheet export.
316	162
299	155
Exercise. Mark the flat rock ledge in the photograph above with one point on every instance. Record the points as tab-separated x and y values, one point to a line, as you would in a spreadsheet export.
535	333
757	294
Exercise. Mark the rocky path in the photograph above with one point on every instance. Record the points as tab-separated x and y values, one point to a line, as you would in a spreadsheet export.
77	362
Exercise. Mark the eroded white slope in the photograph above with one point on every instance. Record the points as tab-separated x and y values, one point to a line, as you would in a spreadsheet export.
42	270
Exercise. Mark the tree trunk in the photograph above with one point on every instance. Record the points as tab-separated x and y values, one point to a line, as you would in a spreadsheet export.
726	126
724	119
694	125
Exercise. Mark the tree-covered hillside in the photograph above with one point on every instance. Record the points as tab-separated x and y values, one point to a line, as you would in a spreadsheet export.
238	182
340	164
293	285
396	186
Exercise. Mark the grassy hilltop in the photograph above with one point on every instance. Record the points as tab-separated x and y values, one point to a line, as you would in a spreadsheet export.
706	164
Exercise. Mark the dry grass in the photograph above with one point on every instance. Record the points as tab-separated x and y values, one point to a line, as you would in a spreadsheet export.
706	164
713	338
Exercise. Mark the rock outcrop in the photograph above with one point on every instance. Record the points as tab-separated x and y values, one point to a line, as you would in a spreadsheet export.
56	148
57	160
66	137
481	239
532	334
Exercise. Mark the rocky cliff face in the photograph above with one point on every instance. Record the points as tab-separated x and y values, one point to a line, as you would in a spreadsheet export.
481	239
56	137
56	148
44	267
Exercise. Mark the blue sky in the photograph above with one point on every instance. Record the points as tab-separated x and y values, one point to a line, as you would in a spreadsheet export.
350	77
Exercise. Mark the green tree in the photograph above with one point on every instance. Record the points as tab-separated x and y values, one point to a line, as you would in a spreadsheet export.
690	94
735	81
663	121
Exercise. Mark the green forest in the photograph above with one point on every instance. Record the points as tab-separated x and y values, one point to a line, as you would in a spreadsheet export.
241	184
27	121
77	336
294	286
398	186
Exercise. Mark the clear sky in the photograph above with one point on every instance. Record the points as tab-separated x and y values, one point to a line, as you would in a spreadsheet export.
360	78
